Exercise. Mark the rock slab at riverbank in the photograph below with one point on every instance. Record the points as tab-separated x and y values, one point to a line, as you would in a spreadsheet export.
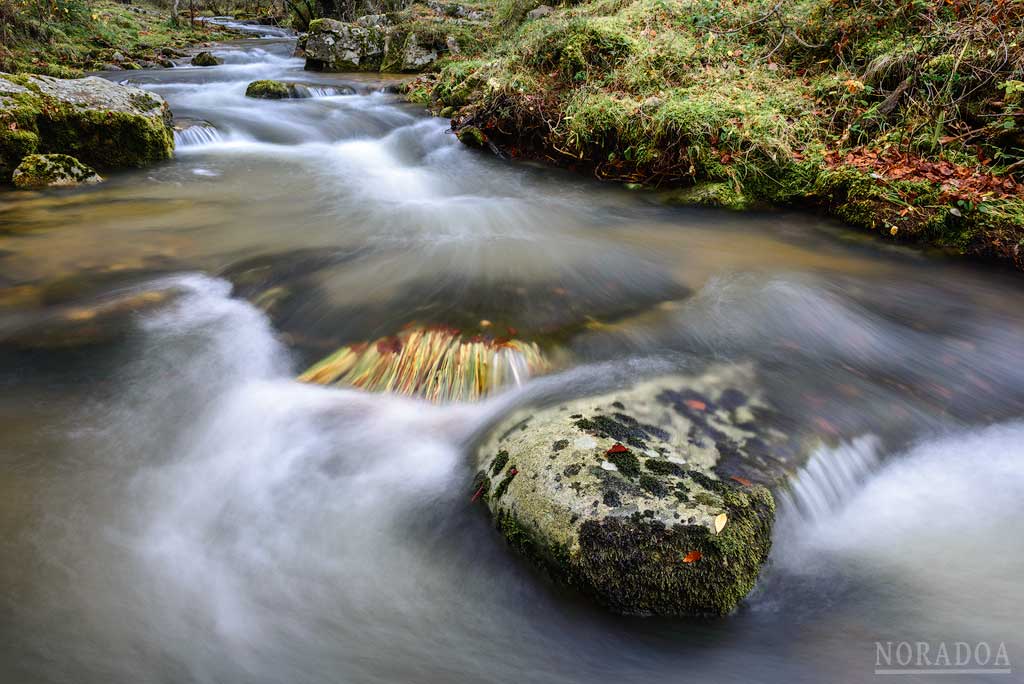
623	495
407	41
99	123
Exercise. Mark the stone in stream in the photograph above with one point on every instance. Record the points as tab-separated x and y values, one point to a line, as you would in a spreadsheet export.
52	170
205	59
286	90
649	499
102	124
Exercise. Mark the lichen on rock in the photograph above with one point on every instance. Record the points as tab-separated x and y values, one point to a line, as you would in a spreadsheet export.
52	170
651	500
100	123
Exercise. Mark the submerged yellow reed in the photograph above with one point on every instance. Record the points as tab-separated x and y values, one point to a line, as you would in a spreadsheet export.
438	364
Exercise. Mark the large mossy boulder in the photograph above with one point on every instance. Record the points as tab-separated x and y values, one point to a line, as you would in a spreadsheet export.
339	46
371	43
52	170
100	123
651	500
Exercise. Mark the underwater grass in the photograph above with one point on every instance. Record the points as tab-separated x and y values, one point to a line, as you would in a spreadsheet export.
438	364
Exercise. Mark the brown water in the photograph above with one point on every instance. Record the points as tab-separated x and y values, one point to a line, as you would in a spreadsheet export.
174	508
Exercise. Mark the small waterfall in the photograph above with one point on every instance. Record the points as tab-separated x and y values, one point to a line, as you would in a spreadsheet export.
197	136
324	91
830	478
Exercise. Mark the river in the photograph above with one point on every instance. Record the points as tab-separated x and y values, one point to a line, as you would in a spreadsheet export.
175	508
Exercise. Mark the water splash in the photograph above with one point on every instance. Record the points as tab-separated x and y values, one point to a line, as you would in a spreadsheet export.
830	478
197	136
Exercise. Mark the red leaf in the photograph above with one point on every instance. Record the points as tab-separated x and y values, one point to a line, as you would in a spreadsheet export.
617	449
691	557
696	404
742	480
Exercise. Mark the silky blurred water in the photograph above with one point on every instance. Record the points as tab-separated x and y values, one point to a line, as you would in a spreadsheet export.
175	508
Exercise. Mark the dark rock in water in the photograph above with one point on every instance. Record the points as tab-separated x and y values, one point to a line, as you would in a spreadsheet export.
300	45
286	90
631	507
83	323
102	124
205	59
303	292
471	136
52	170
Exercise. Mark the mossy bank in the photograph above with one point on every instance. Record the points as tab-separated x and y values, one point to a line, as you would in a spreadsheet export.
66	38
904	118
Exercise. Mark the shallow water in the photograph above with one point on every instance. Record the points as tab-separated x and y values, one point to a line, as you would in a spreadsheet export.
174	508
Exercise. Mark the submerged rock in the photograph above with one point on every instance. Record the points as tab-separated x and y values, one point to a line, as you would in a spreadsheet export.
102	124
649	499
52	170
205	59
722	194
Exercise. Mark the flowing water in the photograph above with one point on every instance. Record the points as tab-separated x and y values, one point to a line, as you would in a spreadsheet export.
175	508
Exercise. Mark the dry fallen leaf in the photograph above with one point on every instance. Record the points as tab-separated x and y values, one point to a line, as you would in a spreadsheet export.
691	557
742	480
696	404
720	521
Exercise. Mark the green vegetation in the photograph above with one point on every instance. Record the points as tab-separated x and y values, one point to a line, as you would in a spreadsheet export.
43	170
63	38
902	117
101	130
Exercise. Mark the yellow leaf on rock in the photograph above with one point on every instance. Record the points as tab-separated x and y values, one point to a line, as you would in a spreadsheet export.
720	521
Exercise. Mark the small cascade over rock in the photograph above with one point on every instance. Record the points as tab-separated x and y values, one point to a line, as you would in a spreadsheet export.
830	477
196	134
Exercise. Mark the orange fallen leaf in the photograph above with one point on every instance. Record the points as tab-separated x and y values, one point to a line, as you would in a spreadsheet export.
742	480
696	404
691	557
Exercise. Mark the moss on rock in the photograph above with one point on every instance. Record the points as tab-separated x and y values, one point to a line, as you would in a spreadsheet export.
206	59
102	124
723	194
14	146
650	537
52	170
270	90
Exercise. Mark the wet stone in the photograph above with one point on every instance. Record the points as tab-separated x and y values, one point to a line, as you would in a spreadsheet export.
616	530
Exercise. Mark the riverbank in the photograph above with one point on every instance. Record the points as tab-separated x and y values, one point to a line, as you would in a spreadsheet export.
902	119
68	39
